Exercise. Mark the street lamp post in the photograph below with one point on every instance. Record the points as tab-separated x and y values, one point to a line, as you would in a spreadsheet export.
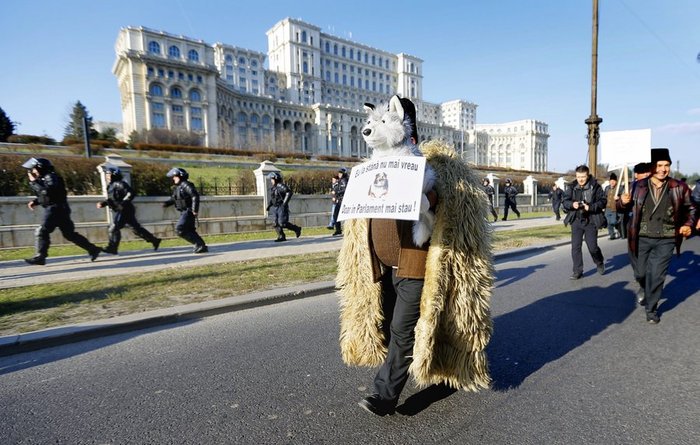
593	121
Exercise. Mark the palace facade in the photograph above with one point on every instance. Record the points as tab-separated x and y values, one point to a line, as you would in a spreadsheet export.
309	99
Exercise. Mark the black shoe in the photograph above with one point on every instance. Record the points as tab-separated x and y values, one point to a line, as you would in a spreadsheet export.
279	240
156	243
601	269
518	215
297	232
36	261
495	219
110	250
377	406
95	253
653	318
201	249
575	276
503	219
641	299
331	227
337	233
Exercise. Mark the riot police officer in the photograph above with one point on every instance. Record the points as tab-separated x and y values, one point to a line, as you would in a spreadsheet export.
339	192
186	200
51	194
280	194
119	197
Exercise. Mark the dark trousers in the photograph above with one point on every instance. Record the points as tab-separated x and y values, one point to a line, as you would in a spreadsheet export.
280	216
653	258
404	295
555	208
493	211
579	232
186	229
512	205
58	216
126	217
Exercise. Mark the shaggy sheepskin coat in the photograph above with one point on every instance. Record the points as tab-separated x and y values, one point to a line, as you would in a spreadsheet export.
455	321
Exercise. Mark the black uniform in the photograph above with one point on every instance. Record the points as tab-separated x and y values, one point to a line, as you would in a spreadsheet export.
119	197
280	194
556	195
511	192
339	191
490	192
186	200
51	195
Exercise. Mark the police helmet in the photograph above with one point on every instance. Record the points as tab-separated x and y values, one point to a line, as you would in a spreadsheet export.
42	165
343	170
508	181
486	180
177	171
276	176
113	171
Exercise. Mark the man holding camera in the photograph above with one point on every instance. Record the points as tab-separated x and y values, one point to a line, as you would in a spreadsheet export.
585	201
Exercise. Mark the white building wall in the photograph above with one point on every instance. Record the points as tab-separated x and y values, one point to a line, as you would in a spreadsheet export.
310	97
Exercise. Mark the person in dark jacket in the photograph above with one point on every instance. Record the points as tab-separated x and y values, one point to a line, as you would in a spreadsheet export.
610	207
490	192
510	203
556	196
695	197
186	201
280	194
662	215
119	199
51	194
585	201
338	193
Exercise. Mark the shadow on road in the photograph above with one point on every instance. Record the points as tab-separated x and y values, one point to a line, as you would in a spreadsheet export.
40	357
685	271
423	399
506	277
527	339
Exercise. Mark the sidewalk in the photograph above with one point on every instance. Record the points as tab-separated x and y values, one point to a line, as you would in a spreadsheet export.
17	273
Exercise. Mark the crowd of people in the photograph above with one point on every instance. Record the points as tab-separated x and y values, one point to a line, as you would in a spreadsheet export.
51	194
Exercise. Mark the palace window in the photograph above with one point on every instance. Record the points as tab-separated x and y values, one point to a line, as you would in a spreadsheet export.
193	55
154	47
195	96
156	90
176	92
174	51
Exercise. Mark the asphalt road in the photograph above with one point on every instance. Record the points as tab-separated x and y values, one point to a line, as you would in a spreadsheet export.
572	363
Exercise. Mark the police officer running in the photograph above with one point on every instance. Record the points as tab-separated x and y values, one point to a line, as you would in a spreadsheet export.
186	200
280	194
51	194
119	199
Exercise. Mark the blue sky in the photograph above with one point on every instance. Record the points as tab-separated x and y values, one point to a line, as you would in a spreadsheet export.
515	59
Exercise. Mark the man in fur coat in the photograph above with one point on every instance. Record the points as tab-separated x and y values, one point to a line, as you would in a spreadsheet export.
426	313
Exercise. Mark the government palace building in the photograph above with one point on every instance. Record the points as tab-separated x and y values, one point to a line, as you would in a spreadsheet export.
310	98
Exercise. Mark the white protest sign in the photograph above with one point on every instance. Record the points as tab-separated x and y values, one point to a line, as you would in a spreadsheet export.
389	188
623	148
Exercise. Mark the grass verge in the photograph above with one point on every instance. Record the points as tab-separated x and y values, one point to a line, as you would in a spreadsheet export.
42	306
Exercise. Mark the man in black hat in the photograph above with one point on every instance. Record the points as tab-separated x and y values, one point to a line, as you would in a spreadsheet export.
51	195
662	215
610	207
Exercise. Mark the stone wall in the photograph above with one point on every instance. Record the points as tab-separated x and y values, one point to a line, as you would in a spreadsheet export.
218	214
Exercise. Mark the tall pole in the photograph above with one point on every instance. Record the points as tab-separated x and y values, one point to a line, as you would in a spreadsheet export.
594	120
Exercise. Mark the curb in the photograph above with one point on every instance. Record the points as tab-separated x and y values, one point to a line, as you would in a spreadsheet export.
61	335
